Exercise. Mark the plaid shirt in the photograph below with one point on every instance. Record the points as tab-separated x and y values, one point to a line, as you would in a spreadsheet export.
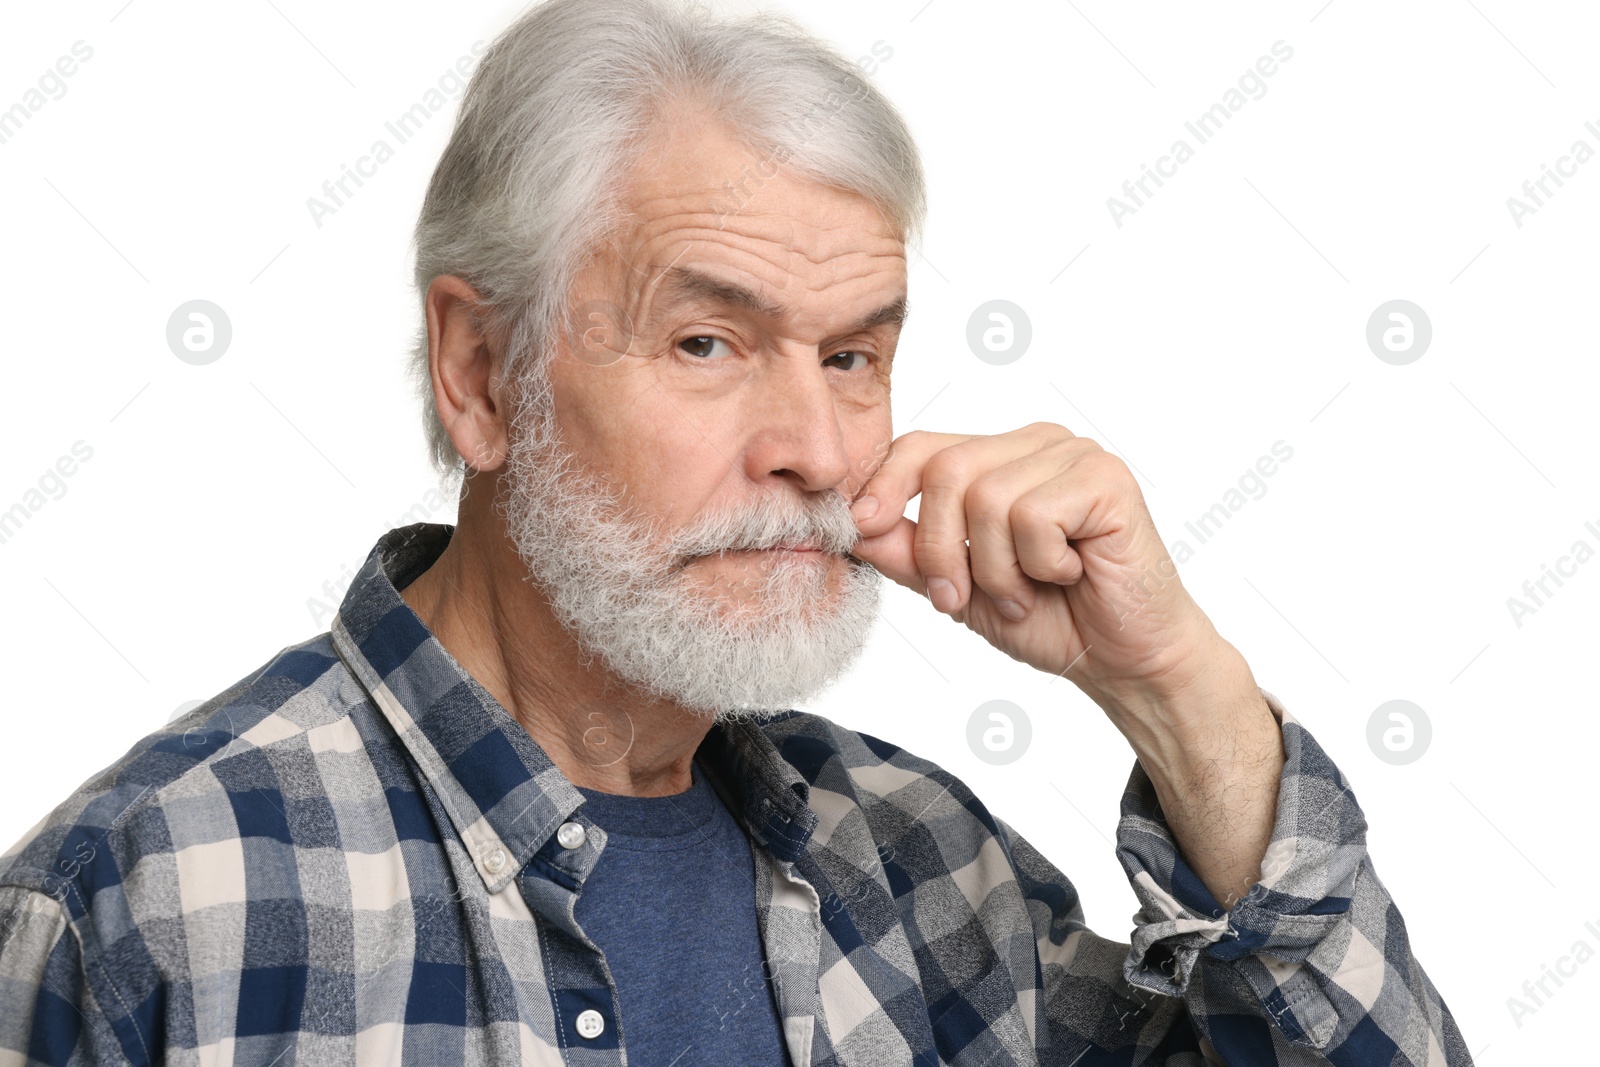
352	856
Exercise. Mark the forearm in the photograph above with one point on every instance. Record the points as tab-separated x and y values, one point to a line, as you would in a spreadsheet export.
1214	753
1318	950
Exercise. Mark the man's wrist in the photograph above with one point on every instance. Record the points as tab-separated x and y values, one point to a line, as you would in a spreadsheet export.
1219	724
1213	751
1209	689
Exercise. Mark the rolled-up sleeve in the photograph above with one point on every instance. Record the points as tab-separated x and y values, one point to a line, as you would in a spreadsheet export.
1313	965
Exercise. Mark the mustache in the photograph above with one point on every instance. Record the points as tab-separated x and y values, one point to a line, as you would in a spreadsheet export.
822	521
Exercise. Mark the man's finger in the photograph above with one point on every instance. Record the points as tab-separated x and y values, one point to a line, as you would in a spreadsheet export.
992	551
898	479
893	553
941	538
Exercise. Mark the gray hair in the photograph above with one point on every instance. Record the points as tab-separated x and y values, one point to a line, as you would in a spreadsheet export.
563	101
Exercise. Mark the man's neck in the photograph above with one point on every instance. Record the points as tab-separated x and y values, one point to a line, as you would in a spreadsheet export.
600	732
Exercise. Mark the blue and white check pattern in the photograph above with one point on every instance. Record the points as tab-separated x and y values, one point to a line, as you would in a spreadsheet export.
350	856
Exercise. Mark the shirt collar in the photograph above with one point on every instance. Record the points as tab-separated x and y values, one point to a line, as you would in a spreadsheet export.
504	795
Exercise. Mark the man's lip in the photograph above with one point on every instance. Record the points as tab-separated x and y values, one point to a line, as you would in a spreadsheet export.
803	547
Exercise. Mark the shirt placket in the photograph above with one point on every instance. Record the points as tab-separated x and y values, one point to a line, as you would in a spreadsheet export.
583	995
791	935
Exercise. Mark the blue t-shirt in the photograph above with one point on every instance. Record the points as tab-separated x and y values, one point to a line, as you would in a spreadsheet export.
672	905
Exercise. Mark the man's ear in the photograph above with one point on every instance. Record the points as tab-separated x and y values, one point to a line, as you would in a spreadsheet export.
466	373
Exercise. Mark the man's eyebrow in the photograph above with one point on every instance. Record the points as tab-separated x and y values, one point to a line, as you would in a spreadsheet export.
687	283
891	314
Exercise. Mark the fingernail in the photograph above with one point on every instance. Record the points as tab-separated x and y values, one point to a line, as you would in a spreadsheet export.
1011	609
864	508
943	594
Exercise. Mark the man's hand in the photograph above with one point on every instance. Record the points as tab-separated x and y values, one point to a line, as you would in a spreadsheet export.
1064	556
1040	541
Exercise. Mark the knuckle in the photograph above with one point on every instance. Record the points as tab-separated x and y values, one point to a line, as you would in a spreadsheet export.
935	560
945	470
1115	467
923	541
988	499
1029	513
1054	570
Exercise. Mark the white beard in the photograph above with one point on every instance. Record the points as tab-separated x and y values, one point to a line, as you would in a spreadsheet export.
625	596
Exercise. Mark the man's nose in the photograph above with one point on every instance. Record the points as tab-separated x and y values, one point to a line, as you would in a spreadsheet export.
794	429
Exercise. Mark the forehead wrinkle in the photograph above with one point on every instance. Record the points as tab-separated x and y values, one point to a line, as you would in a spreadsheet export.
765	245
767	259
686	284
816	238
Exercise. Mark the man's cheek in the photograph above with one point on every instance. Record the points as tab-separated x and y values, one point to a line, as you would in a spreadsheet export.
865	466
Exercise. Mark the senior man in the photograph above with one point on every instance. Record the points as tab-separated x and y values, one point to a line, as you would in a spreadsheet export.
541	794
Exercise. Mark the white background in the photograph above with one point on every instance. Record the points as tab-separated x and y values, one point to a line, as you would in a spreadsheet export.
1227	314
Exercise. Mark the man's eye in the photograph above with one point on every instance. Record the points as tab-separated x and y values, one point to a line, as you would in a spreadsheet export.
853	360
703	347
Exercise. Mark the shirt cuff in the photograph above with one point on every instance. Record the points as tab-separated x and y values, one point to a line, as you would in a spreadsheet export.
1307	878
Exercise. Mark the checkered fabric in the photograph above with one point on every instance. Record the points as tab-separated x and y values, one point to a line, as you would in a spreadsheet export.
351	856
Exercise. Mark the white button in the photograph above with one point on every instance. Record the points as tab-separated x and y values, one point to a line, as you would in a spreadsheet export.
495	861
590	1022
571	835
